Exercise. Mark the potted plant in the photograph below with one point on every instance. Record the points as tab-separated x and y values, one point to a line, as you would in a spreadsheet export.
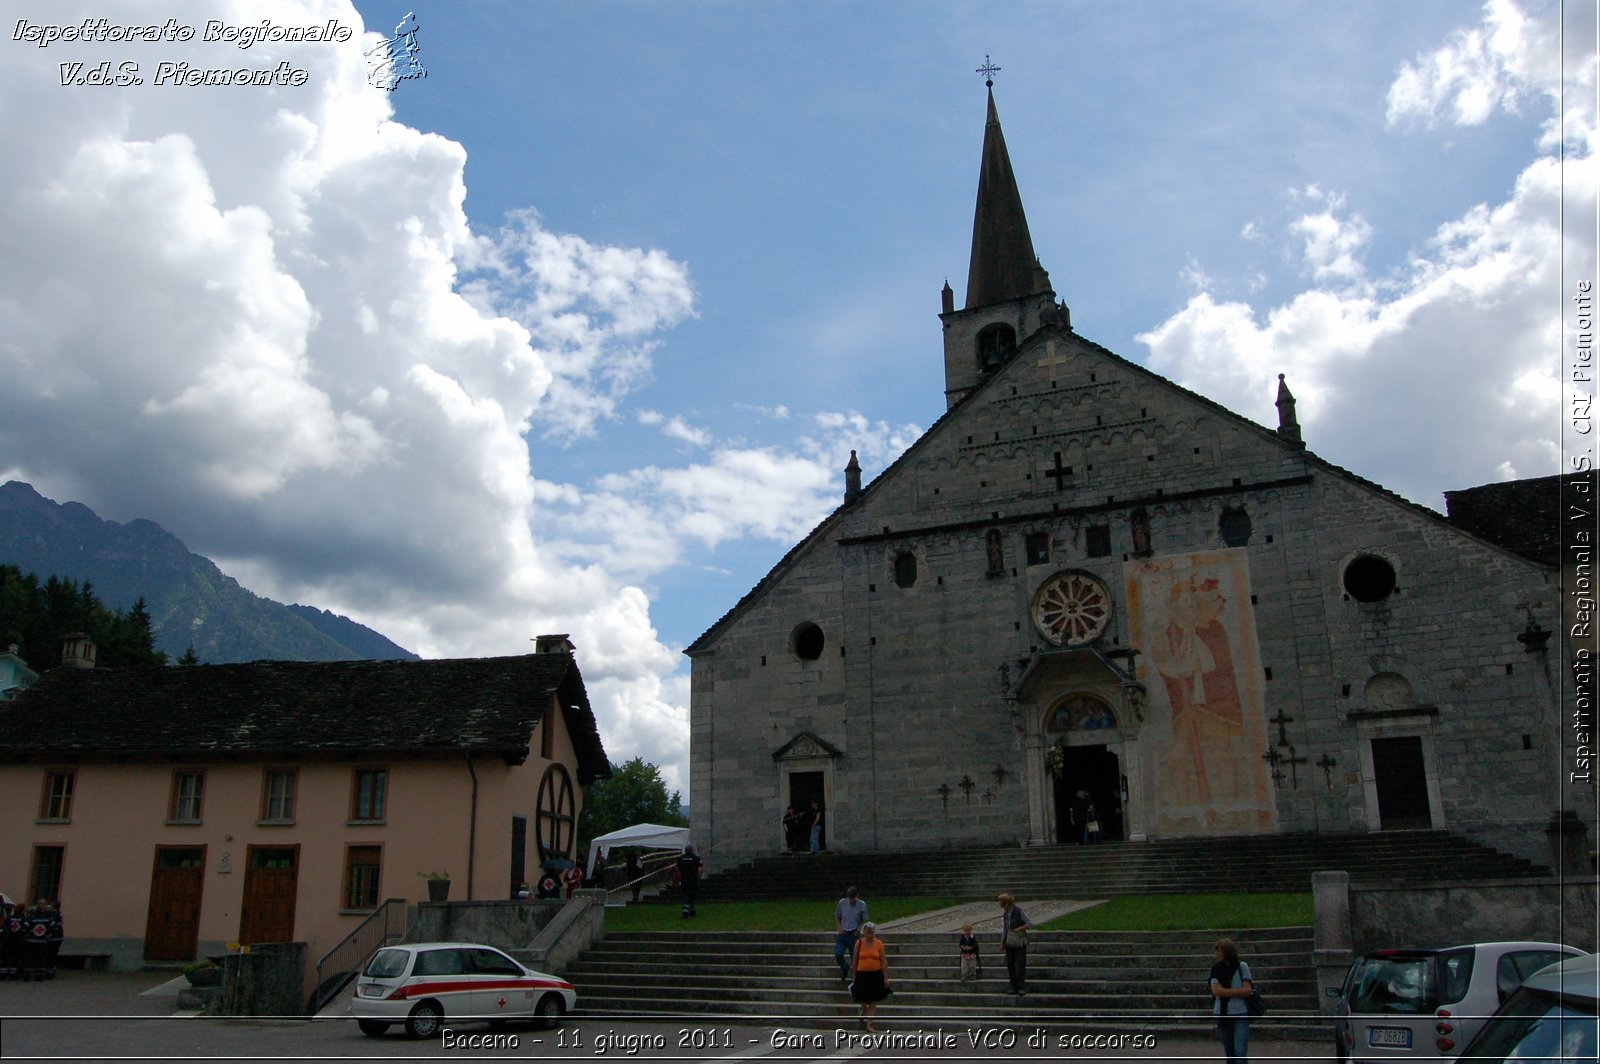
438	885
203	973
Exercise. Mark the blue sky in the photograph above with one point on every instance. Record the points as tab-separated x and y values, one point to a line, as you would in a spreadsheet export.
576	333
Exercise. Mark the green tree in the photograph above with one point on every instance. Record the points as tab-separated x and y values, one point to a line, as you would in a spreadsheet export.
635	794
189	656
38	616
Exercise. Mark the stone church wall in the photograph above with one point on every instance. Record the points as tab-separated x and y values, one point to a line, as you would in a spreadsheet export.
930	743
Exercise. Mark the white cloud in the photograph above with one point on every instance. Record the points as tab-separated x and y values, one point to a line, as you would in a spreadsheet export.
1480	70
1466	337
240	312
641	522
590	311
1332	245
675	427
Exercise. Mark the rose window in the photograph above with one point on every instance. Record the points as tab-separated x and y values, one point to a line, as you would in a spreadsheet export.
1071	609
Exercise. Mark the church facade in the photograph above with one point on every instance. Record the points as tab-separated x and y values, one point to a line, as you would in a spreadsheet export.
1089	593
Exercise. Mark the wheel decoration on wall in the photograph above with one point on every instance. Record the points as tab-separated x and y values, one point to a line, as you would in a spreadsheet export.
1071	609
556	817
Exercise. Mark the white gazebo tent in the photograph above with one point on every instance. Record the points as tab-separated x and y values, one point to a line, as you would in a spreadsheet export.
655	836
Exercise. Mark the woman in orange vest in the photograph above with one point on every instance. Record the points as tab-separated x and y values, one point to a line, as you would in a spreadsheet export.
871	984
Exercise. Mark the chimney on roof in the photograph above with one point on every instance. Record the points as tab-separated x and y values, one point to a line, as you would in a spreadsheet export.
553	644
77	651
852	479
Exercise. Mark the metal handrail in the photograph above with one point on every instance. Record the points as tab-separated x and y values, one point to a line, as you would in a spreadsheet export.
385	924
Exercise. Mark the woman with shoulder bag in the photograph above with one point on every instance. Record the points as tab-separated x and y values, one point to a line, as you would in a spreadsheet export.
1231	987
1014	941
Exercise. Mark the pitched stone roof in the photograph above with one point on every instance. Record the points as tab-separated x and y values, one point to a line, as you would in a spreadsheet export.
1520	515
302	710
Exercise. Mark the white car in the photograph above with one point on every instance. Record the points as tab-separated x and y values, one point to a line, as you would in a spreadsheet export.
1554	1016
1426	1004
422	985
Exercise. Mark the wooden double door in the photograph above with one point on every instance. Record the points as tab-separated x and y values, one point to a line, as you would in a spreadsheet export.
177	887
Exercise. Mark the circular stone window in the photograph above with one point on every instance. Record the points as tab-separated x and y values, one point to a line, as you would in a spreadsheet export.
1071	608
1369	579
806	642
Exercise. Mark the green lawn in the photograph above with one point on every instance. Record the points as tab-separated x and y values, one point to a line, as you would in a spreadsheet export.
796	915
1183	912
1161	912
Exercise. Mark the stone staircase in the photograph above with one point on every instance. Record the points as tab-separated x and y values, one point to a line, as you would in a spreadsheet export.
1092	981
1100	981
1233	864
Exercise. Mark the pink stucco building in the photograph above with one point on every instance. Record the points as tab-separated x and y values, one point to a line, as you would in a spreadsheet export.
174	811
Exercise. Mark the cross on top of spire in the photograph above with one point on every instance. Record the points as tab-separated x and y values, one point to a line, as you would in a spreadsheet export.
988	70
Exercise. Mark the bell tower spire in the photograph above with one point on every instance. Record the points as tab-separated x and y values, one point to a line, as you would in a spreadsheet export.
1009	297
1003	263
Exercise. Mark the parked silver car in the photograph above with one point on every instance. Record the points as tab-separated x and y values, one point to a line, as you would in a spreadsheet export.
1554	1016
1426	1004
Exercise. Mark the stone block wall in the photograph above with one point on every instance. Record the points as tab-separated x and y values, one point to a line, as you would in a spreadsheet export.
908	687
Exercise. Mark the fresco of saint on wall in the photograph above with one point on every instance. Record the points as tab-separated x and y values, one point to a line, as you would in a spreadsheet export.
1192	622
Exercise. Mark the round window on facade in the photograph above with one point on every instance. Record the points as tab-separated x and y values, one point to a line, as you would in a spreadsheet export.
1071	608
1235	527
807	642
1369	578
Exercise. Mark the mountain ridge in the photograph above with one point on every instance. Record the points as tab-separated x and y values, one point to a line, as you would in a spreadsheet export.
190	600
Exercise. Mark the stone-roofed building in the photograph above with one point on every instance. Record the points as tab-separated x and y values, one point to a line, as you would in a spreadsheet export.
1087	584
1525	516
277	801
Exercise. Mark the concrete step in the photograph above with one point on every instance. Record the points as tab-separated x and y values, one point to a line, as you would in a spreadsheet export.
979	1011
1152	980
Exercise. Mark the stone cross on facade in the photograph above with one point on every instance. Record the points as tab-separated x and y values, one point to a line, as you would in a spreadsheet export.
1059	473
1280	720
1326	763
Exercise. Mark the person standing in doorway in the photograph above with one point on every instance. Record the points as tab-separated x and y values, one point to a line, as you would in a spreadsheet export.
1231	987
1078	815
848	916
793	829
816	828
1014	943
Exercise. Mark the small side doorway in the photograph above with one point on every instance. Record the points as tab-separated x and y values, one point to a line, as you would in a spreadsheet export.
805	788
1401	777
1090	776
270	879
172	926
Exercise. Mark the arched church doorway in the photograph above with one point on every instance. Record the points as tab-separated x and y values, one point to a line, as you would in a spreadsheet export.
1090	785
1082	740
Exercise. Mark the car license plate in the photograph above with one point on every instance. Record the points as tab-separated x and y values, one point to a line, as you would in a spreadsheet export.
372	990
1394	1037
